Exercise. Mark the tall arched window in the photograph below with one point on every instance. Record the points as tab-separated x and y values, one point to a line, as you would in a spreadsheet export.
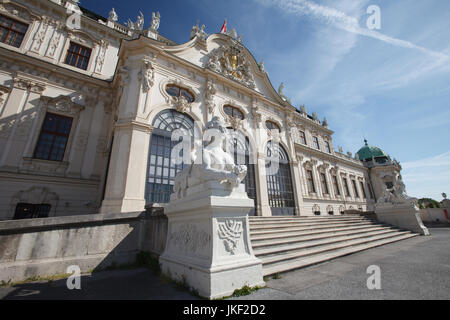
279	181
240	145
161	169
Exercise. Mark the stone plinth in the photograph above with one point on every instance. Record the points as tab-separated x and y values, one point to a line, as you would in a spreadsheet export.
402	215
208	245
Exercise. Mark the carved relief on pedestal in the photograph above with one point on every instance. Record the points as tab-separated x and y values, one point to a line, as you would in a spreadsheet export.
230	231
189	238
56	39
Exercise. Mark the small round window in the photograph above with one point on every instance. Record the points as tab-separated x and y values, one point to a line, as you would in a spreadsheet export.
176	91
233	112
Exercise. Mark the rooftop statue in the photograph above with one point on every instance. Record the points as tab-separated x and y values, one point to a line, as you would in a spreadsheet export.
138	25
156	18
112	15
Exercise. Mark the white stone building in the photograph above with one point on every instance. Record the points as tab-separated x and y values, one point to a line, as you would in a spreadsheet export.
88	106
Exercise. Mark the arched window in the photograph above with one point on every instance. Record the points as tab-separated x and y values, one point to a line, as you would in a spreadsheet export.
341	209
272	125
233	112
176	91
241	148
279	181
161	169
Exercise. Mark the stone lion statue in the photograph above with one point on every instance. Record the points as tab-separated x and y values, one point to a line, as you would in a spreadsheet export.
216	164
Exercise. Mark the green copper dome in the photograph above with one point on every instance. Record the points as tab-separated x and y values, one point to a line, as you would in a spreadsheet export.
367	152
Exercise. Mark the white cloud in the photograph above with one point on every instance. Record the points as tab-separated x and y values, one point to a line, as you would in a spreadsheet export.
342	21
428	177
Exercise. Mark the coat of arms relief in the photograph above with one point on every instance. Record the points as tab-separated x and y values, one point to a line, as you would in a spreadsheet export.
232	63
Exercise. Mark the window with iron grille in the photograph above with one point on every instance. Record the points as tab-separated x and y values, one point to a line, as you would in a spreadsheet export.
336	186
370	191
346	189
310	179
355	189
327	147
362	188
78	56
31	211
53	138
12	32
323	181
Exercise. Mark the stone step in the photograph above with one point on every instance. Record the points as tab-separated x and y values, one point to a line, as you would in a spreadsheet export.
301	246
258	243
311	258
303	218
307	231
269	228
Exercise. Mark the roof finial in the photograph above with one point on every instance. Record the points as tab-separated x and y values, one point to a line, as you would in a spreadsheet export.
365	141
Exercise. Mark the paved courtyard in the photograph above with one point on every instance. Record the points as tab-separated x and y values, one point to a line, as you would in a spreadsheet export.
418	268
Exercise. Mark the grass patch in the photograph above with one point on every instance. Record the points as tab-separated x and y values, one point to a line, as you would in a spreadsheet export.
50	279
276	276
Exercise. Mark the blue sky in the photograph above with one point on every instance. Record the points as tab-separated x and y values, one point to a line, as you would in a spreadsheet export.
391	86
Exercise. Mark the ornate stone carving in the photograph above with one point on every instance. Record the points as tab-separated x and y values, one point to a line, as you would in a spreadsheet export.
230	231
62	104
138	25
180	104
3	92
113	16
210	91
55	40
27	84
216	164
101	55
281	93
39	36
232	63
188	237
198	32
147	75
156	18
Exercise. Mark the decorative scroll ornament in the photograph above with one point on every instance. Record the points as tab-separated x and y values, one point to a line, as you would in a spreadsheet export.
147	75
181	104
230	231
232	63
210	91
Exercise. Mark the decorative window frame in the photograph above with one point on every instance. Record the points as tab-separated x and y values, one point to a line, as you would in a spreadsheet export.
83	39
61	105
234	122
21	14
177	82
330	209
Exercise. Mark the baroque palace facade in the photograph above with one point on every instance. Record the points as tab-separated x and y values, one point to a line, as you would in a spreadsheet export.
88	106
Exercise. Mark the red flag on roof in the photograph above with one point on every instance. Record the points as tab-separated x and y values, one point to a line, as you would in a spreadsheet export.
224	27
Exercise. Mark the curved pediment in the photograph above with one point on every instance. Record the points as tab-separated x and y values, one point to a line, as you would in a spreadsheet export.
230	58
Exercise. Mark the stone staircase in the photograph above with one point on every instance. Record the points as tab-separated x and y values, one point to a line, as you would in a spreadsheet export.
287	243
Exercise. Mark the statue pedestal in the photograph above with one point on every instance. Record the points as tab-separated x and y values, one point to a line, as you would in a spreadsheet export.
208	245
402	215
